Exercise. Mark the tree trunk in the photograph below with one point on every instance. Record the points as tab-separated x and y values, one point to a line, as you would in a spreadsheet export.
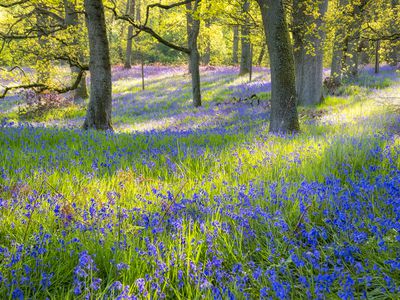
339	45
246	48
377	47
351	58
207	52
189	25
128	53
99	111
353	43
235	57
140	55
308	66
261	56
284	118
43	64
363	51
71	19
194	58
394	52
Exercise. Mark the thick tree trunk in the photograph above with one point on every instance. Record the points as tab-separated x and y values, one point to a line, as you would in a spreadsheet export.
128	53
194	58
235	50
246	48
284	116
308	66
71	19
99	111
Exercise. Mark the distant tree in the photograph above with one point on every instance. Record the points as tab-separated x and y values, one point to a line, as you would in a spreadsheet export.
235	45
245	59
72	20
308	36
284	118
338	42
207	24
98	114
130	7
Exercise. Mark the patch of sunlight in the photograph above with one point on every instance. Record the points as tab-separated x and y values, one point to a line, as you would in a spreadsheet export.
149	125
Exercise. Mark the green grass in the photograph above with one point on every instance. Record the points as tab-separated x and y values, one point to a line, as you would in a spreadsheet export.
211	168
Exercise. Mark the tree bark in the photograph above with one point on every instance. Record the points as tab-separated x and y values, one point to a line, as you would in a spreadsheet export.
261	56
189	25
194	58
394	52
43	65
235	50
353	42
377	47
71	19
339	45
308	66
246	48
128	52
207	52
352	57
99	110
363	52
284	118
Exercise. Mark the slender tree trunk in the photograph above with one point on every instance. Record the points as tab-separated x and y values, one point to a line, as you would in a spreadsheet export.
339	45
43	64
364	57
377	47
189	25
394	52
284	116
71	19
261	56
337	59
207	52
353	42
128	52
140	56
194	58
140	53
309	67
99	111
246	51
352	57
235	57
394	56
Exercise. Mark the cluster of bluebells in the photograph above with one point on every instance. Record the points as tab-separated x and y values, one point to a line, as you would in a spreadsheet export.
236	243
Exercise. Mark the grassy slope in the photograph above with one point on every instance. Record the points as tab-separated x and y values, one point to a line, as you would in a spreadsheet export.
205	202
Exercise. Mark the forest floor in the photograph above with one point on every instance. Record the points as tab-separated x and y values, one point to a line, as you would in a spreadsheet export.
185	203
